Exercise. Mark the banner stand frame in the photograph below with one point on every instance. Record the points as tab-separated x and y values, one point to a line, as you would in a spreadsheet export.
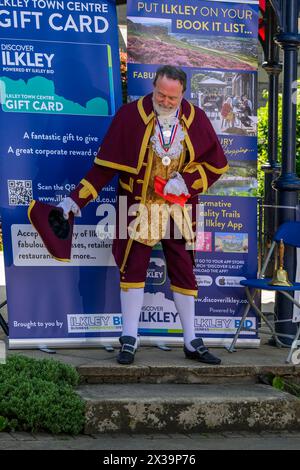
3	323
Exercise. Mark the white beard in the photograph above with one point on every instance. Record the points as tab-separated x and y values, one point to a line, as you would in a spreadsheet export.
163	112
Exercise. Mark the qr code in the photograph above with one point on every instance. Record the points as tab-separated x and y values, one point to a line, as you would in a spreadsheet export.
19	192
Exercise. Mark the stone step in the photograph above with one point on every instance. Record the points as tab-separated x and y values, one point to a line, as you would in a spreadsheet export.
152	365
196	373
153	408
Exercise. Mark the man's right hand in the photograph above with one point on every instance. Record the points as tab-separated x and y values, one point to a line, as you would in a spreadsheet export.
68	205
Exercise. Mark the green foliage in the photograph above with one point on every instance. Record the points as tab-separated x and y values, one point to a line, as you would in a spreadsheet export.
196	81
38	395
263	132
286	386
278	383
3	423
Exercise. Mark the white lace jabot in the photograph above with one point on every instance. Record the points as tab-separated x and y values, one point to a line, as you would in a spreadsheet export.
166	124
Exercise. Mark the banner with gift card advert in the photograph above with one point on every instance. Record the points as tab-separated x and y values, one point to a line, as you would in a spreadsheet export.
60	87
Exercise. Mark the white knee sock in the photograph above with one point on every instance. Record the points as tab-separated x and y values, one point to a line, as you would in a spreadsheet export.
131	305
185	306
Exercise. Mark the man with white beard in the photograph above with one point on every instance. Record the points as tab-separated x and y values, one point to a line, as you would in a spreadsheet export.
159	137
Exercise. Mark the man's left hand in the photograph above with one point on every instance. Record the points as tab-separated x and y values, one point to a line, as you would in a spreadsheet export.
176	185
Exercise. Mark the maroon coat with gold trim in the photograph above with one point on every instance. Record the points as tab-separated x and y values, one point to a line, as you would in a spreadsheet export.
126	150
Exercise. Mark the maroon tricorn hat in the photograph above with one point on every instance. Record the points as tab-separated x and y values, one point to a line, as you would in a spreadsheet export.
55	231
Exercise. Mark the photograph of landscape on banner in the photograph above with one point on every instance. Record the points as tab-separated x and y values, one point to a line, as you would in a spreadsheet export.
152	41
239	180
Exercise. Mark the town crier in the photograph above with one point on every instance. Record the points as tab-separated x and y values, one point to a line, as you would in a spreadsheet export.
165	152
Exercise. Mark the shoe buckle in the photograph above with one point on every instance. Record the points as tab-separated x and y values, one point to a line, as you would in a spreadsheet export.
128	348
201	350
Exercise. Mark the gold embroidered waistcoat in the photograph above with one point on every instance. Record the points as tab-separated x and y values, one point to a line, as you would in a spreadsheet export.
154	214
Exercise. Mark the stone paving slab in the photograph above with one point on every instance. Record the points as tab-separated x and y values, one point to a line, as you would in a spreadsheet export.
149	356
177	442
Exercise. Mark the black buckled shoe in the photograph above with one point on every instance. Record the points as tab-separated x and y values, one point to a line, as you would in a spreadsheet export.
127	352
201	353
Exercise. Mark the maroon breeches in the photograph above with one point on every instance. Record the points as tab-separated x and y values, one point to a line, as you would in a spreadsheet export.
179	262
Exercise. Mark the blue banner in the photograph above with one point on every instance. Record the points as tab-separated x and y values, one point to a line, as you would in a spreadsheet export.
207	18
215	43
206	34
226	252
60	86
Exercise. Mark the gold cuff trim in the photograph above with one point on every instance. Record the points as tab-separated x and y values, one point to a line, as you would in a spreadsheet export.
116	166
180	290
84	193
60	259
87	190
132	285
217	171
197	185
190	168
31	205
127	187
203	178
